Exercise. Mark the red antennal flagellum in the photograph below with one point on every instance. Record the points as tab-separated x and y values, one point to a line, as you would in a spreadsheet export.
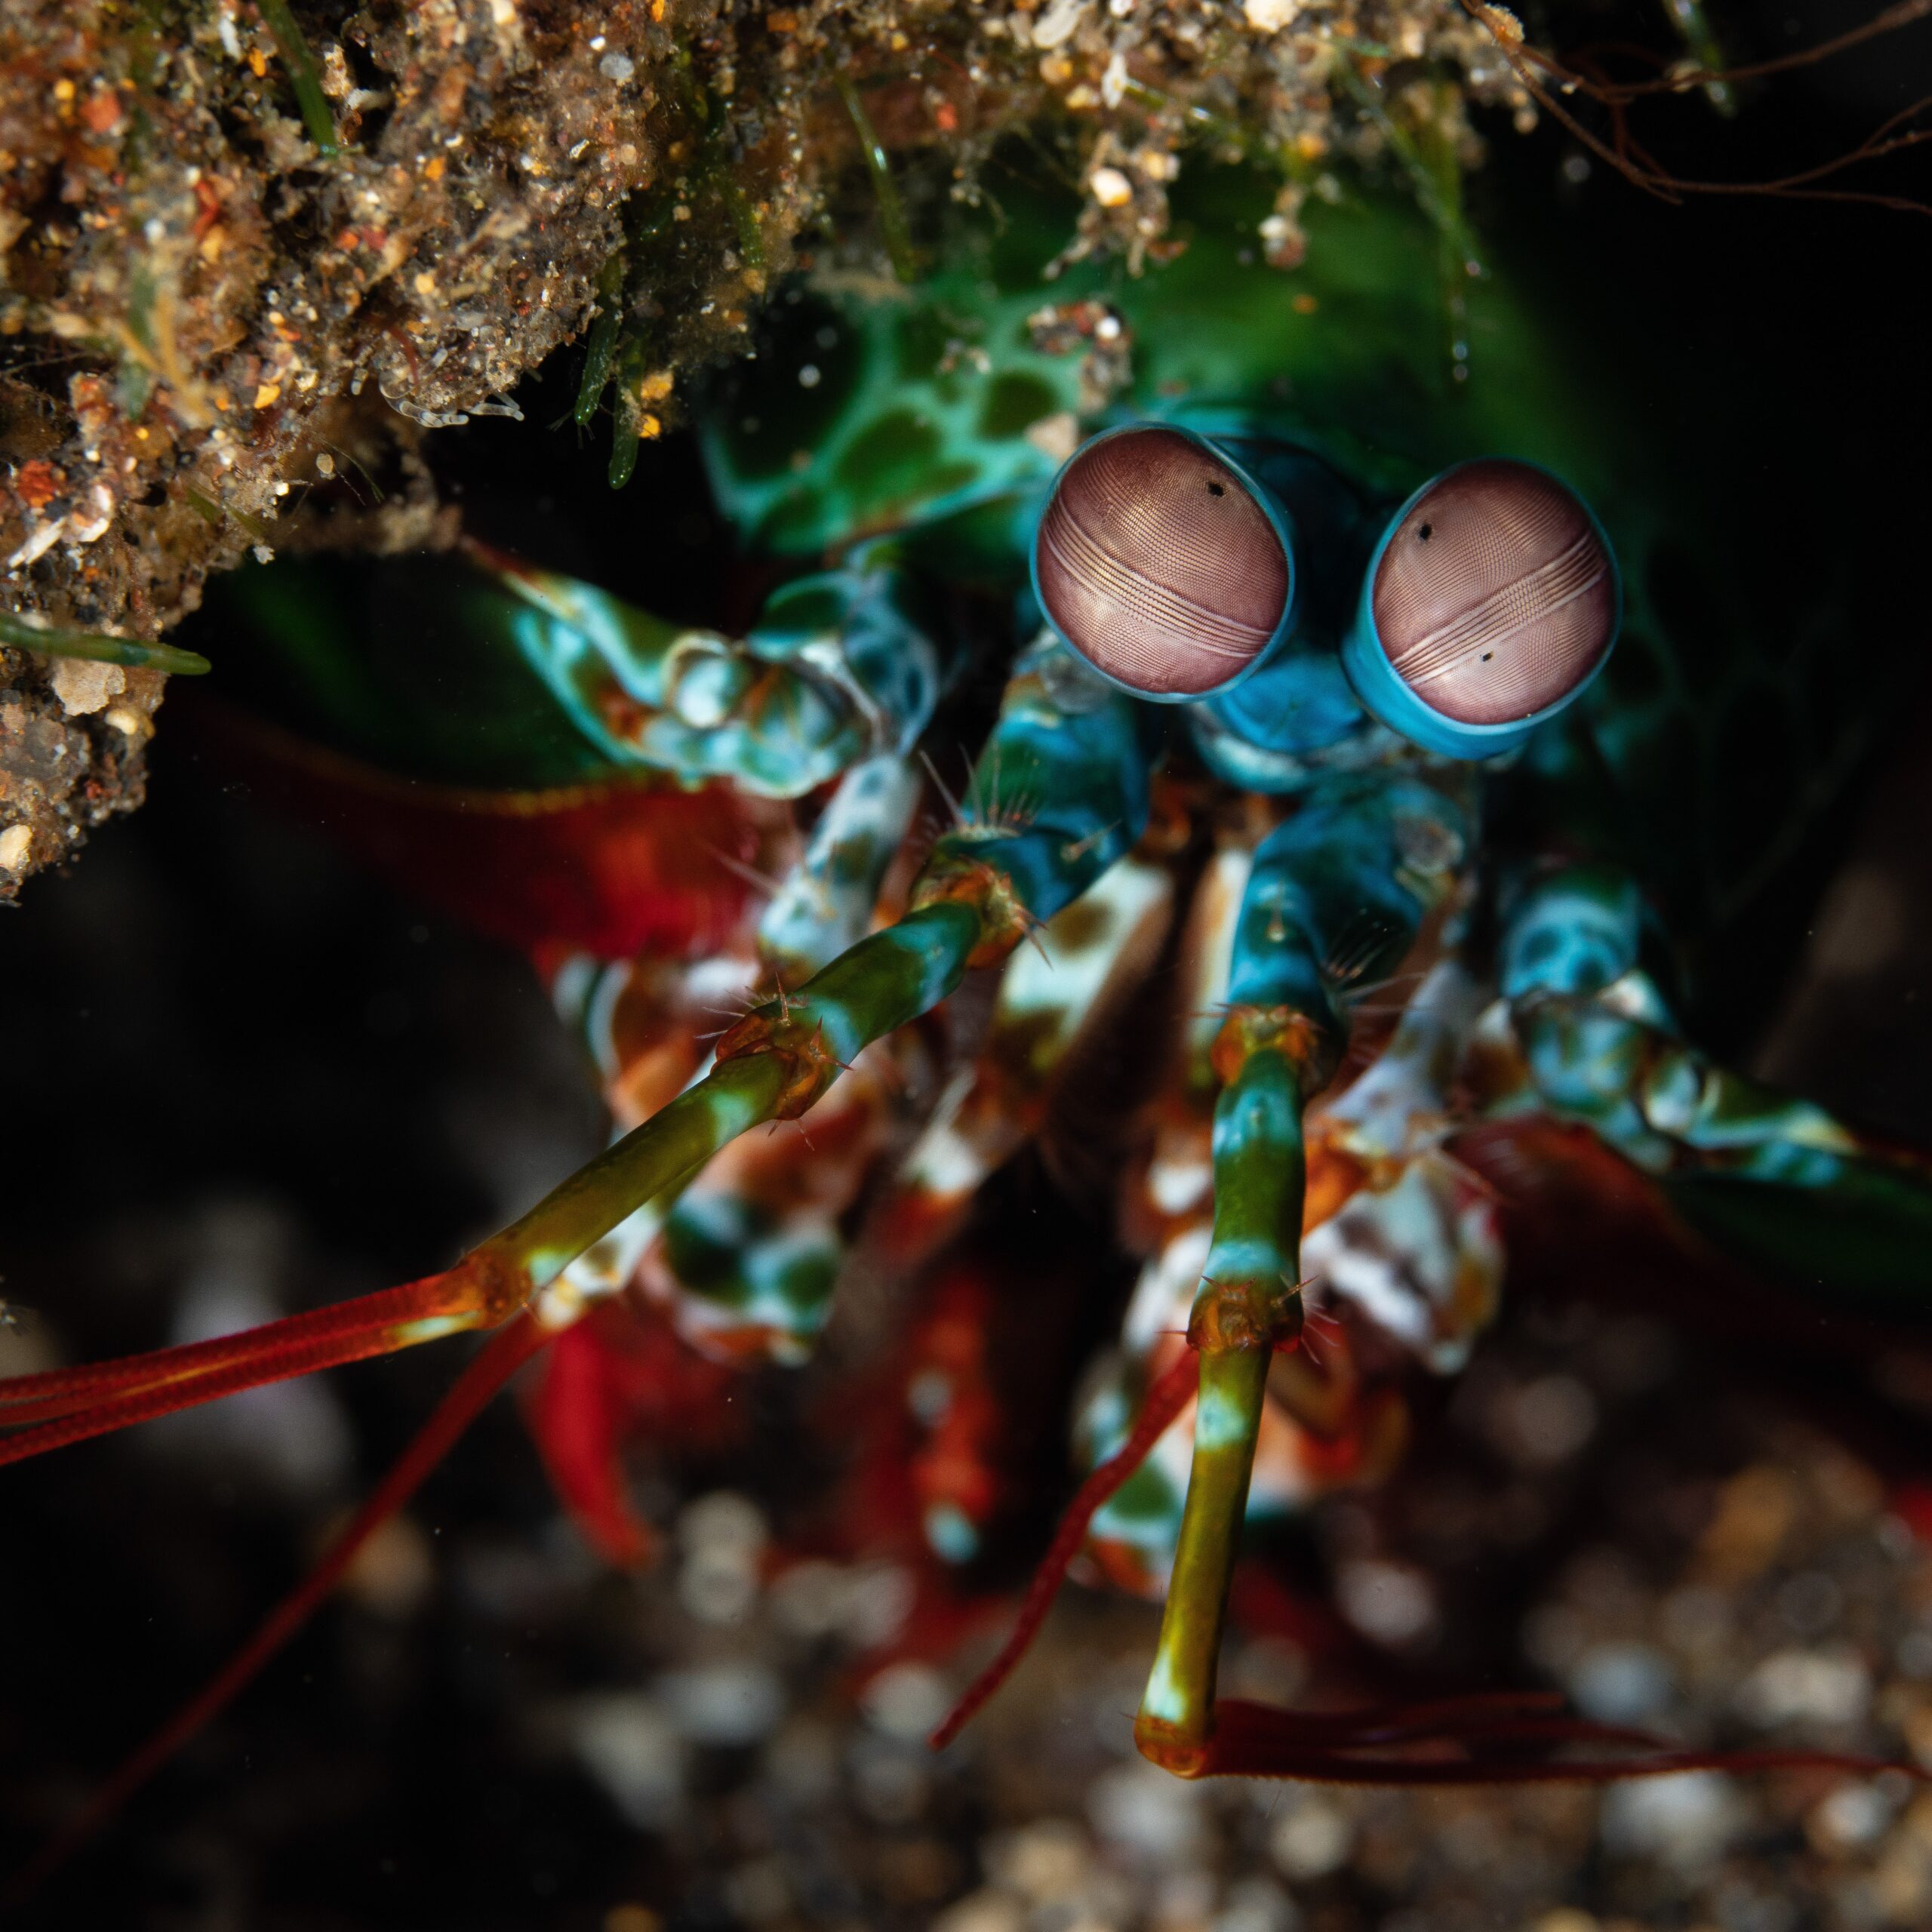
1167	1398
1355	1747
1489	1738
505	1351
70	1405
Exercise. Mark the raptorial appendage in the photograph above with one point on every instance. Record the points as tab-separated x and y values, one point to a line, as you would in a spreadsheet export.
1591	1038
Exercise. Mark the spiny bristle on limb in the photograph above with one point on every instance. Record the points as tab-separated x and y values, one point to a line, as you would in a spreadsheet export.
1364	935
759	881
1356	1000
976	807
944	791
1032	928
1318	1322
1081	846
999	812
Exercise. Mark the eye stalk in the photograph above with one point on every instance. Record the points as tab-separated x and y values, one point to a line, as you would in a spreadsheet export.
1163	563
1491	603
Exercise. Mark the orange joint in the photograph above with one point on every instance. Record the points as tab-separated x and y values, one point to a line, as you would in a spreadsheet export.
952	877
1308	1046
1243	1315
790	1035
1184	1753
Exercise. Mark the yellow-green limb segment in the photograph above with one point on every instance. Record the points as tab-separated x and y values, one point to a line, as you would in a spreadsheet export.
1248	1305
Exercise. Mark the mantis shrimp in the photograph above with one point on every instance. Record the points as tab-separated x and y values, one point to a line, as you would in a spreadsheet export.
1317	680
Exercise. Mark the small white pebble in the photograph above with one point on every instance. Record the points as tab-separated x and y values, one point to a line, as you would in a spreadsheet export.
1821	1687
906	1701
15	844
616	66
1686	1820
1057	24
84	687
1270	16
724	1703
1047	1860
1139	1810
986	1910
722	1519
1391	1602
1110	187
1310	1840
628	1745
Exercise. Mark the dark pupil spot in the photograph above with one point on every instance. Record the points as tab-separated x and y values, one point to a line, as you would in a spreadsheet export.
1216	490
1487	655
1426	532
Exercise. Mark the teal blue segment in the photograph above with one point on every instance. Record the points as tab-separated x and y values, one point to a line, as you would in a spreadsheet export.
888	978
950	1534
1338	890
839	665
752	1267
1060	793
1575	931
1384	692
826	902
1775	1180
868	626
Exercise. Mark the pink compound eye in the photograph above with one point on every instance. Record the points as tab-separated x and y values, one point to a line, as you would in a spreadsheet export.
1495	596
1157	563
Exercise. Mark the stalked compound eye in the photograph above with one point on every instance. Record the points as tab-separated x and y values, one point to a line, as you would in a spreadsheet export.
1161	564
1491	602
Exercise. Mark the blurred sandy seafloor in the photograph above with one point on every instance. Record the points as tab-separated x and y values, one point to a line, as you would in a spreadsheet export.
241	1078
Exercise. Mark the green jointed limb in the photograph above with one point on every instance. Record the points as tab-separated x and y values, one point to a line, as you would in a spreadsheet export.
1077	752
1336	892
1061	795
1248	1305
774	1064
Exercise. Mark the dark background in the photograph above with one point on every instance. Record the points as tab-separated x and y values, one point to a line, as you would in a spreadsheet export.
234	1066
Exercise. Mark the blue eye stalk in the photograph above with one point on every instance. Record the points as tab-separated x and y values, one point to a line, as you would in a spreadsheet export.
1491	602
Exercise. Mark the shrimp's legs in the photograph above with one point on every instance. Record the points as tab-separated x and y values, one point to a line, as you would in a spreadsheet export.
1066	797
1340	880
